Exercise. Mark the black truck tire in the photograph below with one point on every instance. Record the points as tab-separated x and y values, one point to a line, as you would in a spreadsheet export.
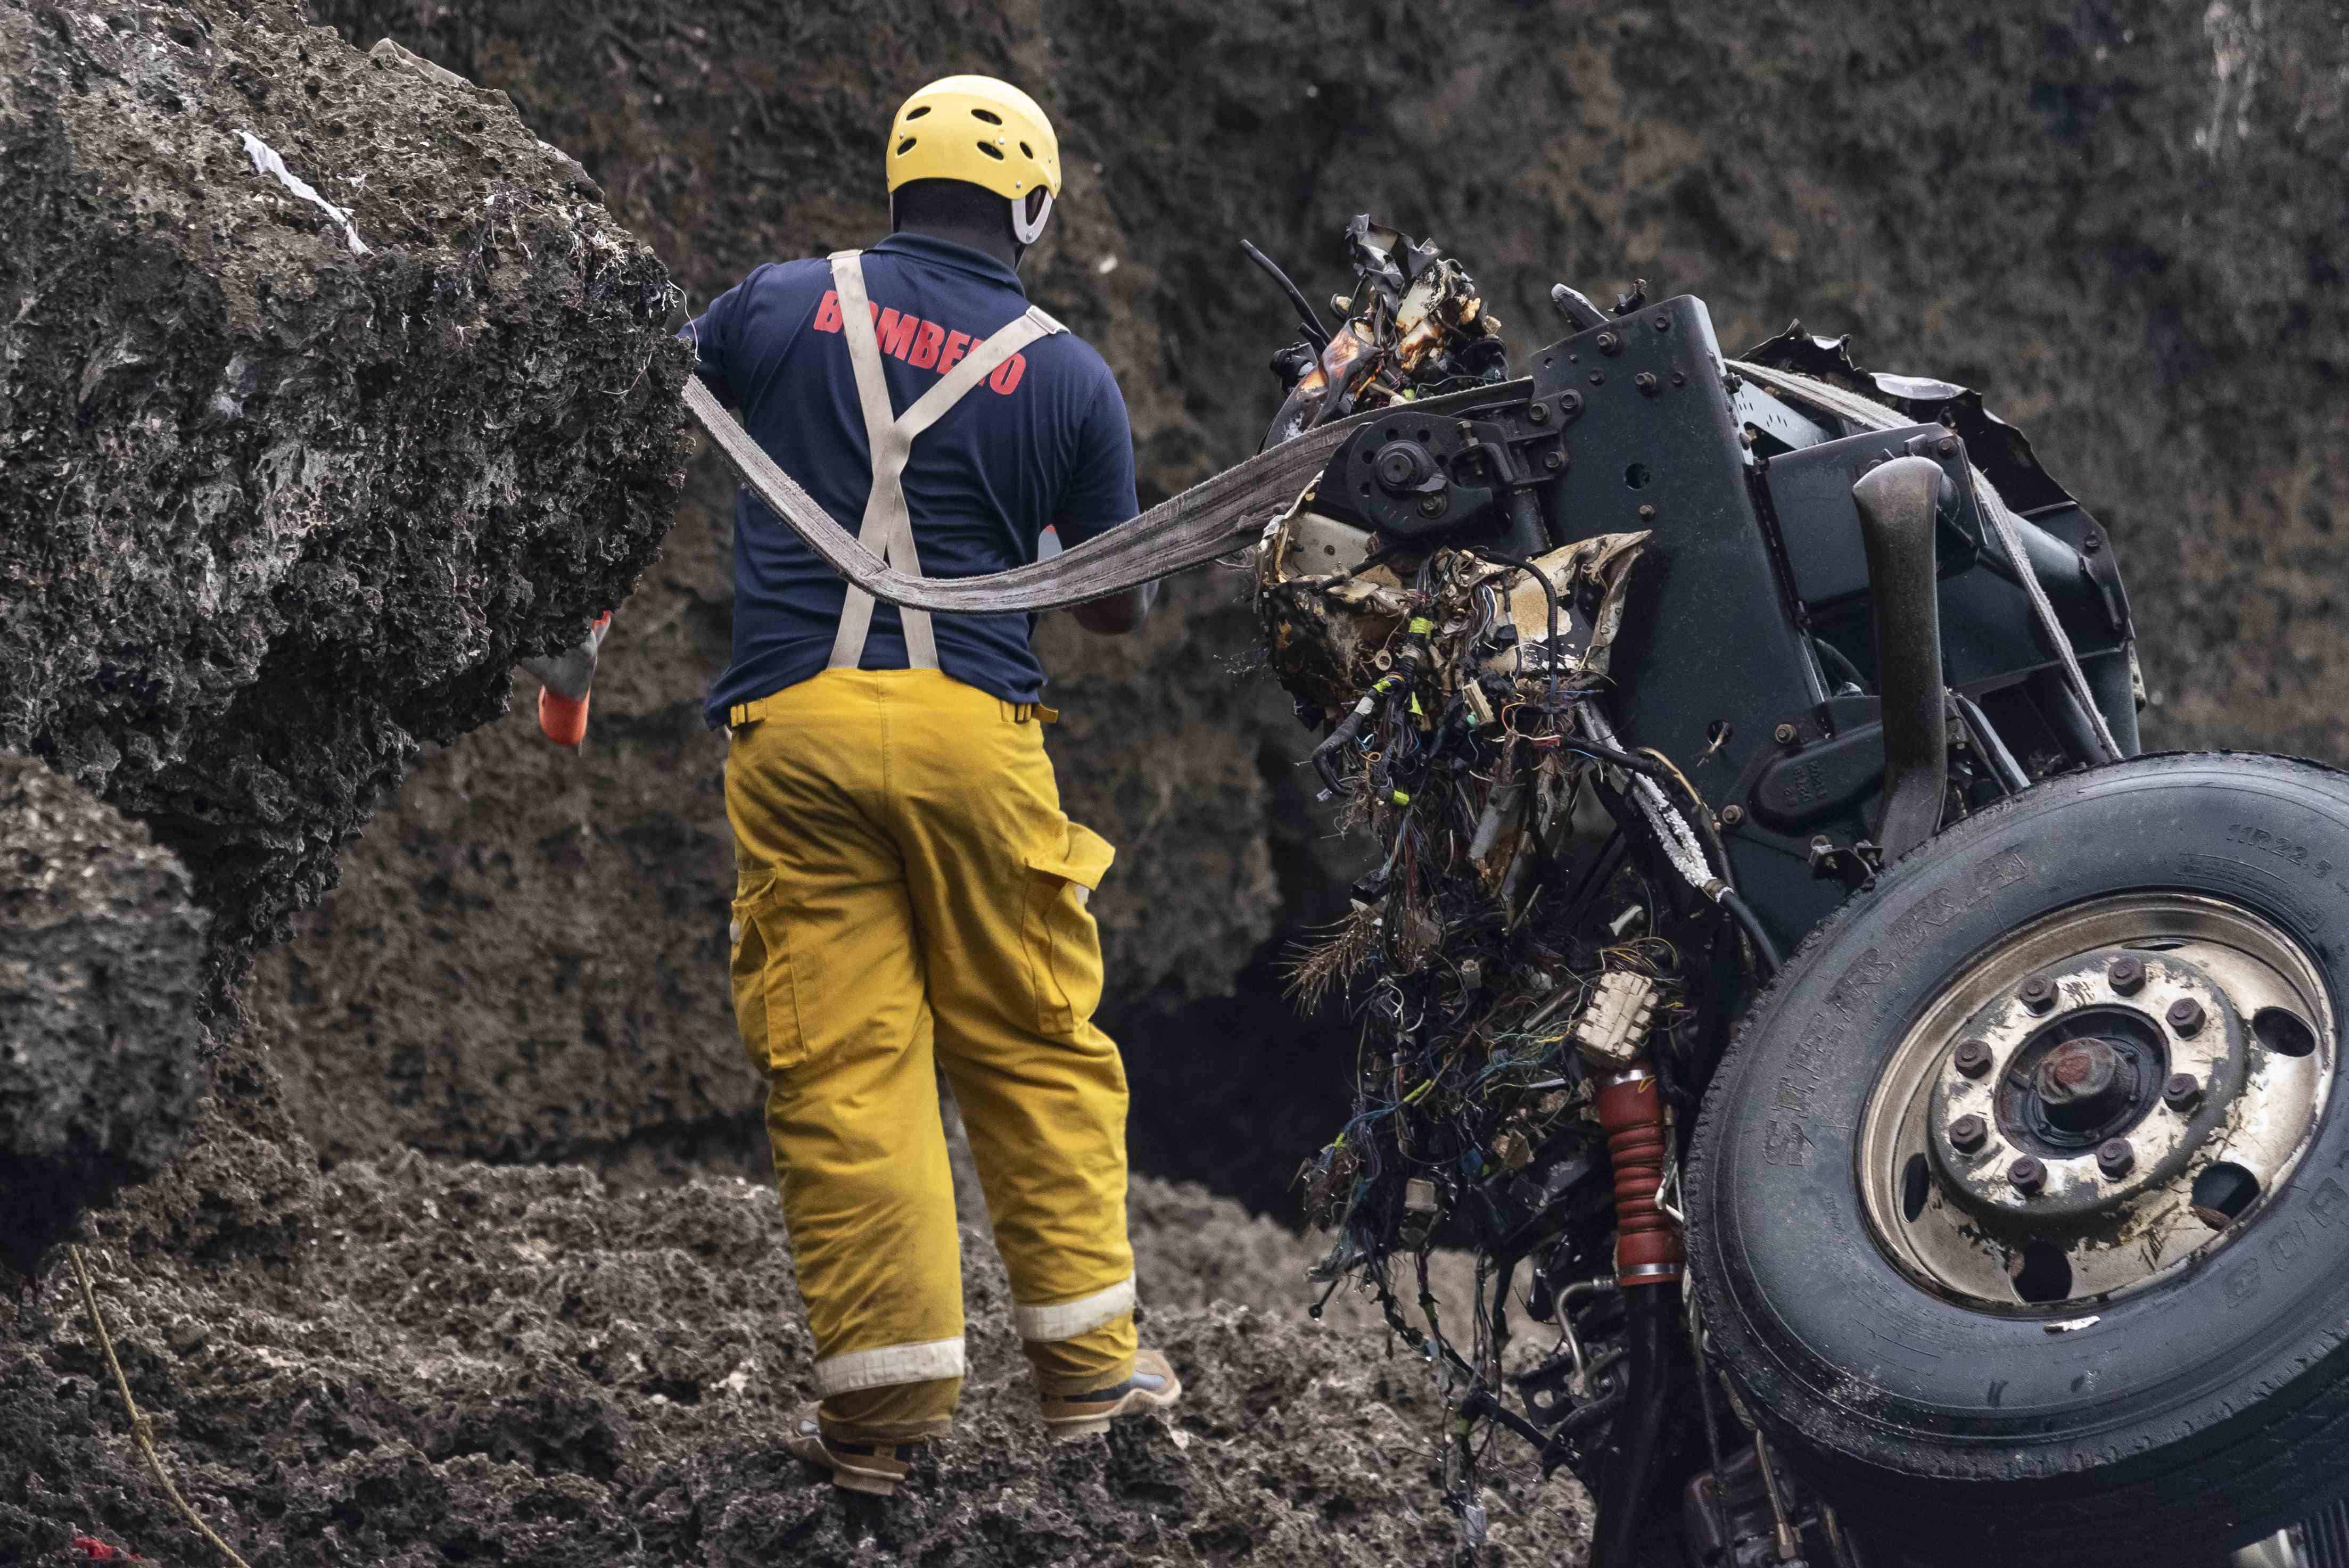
2207	1408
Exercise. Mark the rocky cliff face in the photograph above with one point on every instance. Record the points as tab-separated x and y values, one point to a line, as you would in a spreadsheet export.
325	389
2122	220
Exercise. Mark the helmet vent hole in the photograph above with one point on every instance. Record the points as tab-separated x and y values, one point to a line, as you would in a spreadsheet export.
1026	150
2284	1031
2225	1188
1637	475
918	113
1916	1183
904	147
988	115
991	150
2045	1274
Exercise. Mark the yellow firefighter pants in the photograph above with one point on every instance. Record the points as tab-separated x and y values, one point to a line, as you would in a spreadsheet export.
911	899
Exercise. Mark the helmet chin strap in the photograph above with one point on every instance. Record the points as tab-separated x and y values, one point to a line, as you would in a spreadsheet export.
1023	230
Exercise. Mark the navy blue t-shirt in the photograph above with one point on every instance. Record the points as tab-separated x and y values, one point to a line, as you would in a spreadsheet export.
1042	441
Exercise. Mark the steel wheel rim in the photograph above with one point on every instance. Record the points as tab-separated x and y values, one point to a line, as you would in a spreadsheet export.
1977	1238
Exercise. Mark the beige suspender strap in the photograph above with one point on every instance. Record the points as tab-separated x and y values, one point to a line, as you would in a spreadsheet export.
888	530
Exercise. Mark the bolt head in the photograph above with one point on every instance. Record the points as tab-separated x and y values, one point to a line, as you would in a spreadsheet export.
1971	1057
2038	993
2186	1015
1784	734
1539	413
1947	445
1732	815
2092	543
2126	975
1648	512
1554	462
1431	506
2027	1175
2114	1158
2181	1091
1646	382
1967	1133
1609	344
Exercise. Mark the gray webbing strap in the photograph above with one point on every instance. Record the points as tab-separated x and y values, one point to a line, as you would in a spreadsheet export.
1868	411
888	529
1221	513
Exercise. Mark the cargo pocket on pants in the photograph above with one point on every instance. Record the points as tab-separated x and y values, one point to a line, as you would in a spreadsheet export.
765	1007
1064	960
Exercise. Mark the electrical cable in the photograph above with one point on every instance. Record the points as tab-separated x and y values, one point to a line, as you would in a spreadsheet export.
1764	950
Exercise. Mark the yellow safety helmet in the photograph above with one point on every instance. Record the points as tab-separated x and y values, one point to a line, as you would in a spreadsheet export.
982	130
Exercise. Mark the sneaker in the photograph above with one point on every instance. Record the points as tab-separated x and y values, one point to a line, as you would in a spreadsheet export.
874	1468
1151	1387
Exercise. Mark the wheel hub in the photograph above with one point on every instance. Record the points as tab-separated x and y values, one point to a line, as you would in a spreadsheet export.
2080	1084
2099	1099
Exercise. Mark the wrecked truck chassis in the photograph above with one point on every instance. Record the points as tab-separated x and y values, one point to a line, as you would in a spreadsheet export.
1837	622
1863	614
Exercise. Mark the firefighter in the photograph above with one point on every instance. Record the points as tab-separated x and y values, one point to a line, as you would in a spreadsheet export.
911	898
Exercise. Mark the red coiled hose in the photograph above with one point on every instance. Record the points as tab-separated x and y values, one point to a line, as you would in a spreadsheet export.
1647	1240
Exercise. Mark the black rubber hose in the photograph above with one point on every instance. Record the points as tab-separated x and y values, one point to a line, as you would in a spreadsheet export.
1549	594
1314	330
1651	1313
1594	880
1325	756
1765	950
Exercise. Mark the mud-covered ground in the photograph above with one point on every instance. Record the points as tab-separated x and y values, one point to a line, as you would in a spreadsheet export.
464	1363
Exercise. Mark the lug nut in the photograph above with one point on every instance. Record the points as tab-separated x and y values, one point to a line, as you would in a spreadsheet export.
2038	993
1967	1133
2181	1091
1783	735
1971	1057
2127	976
2114	1158
2184	1015
2027	1175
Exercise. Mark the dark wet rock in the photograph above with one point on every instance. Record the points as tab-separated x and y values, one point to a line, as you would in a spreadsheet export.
101	970
286	493
519	1365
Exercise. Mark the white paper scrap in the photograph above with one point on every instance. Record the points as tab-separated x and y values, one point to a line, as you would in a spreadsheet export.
266	161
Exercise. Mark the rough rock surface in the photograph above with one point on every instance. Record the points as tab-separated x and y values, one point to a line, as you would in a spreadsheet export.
101	970
516	1366
2123	219
286	492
